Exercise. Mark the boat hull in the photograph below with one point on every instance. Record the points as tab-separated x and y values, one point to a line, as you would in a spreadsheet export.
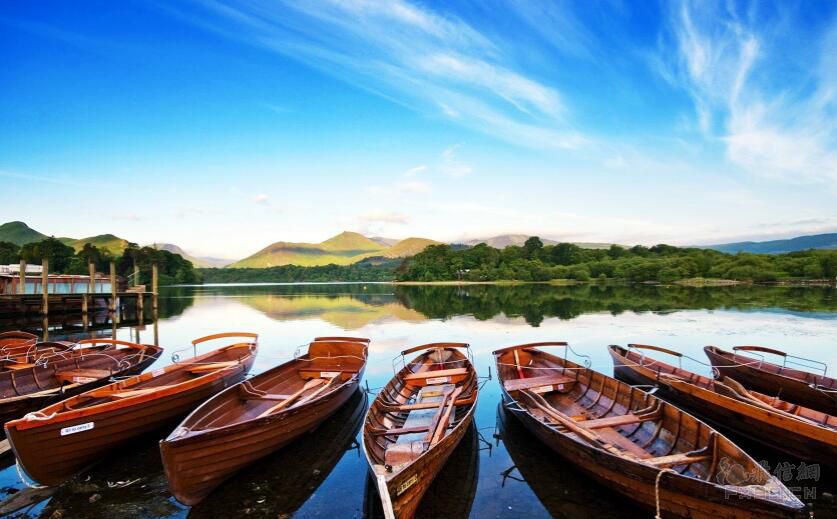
196	465
787	388
770	429
678	496
77	443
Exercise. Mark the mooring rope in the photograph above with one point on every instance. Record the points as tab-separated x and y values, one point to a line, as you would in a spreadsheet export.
657	491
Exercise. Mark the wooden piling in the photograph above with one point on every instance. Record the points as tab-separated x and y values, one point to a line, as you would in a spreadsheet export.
45	286
112	286
91	271
22	288
136	274
154	288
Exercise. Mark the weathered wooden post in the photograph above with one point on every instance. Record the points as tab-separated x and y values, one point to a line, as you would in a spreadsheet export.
154	288
22	288
45	286
112	286
136	274
140	294
91	272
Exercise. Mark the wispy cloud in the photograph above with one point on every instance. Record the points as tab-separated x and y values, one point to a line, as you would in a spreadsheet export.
451	165
425	59
415	171
391	217
262	199
733	62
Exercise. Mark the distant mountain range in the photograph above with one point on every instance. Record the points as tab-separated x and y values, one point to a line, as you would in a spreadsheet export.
814	241
347	248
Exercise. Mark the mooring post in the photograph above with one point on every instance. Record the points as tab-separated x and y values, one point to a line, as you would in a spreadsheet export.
112	286
154	288
22	288
45	286
91	286
136	274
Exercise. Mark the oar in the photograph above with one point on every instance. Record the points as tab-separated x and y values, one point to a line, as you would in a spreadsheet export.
311	384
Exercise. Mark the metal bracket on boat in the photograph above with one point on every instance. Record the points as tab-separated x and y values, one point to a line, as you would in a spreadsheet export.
485	380
812	364
298	351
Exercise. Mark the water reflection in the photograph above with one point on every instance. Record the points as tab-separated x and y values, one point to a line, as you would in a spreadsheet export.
561	488
451	495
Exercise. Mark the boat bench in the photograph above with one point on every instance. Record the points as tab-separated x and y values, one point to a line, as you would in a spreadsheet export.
81	375
543	384
18	365
317	371
437	377
613	421
411	442
212	366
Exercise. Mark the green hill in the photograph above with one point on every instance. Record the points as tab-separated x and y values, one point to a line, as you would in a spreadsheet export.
346	248
19	233
109	242
814	241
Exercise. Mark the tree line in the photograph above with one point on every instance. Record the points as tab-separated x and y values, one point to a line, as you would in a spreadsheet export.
63	259
362	271
661	263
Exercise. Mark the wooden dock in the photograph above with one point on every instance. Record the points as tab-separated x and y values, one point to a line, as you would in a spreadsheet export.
30	304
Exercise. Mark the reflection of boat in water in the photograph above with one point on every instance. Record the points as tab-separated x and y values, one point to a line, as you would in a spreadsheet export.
453	489
280	484
562	490
135	486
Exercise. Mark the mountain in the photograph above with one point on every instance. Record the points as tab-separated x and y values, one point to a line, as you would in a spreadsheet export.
505	240
814	241
19	233
344	249
408	247
386	242
197	261
113	244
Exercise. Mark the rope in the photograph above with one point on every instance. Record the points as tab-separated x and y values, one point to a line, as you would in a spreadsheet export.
657	490
26	479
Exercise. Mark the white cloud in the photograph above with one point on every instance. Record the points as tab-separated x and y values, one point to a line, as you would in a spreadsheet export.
414	187
735	70
451	165
262	199
415	171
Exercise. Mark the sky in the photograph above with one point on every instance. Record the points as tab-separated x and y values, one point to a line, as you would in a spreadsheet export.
223	126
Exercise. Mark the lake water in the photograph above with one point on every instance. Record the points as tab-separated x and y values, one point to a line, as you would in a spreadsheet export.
499	470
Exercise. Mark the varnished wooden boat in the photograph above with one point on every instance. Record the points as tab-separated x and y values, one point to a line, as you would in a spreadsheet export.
62	439
26	387
287	479
416	422
16	338
789	428
260	415
811	390
635	443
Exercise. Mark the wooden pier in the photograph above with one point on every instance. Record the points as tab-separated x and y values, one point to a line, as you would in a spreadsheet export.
29	304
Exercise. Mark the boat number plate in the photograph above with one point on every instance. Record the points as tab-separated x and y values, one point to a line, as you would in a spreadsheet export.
329	374
83	380
437	380
157	373
407	484
76	428
542	389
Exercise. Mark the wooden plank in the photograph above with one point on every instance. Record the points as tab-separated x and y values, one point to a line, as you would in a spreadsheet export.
614	421
403	430
24	498
438	373
212	366
674	460
519	384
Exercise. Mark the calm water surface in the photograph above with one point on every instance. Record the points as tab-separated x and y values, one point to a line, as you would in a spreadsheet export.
499	470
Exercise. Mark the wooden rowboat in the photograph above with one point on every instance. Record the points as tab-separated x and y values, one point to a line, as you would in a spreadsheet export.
811	390
258	416
78	431
26	387
416	422
16	338
635	443
786	427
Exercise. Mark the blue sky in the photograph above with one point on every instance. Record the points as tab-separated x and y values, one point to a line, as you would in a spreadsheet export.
223	126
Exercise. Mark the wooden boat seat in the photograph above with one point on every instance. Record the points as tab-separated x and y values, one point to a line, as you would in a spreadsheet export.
81	375
614	421
310	372
435	378
18	365
541	384
212	366
124	393
411	442
674	460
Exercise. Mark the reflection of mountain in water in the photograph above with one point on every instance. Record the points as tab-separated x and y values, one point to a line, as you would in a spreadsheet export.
349	312
534	302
